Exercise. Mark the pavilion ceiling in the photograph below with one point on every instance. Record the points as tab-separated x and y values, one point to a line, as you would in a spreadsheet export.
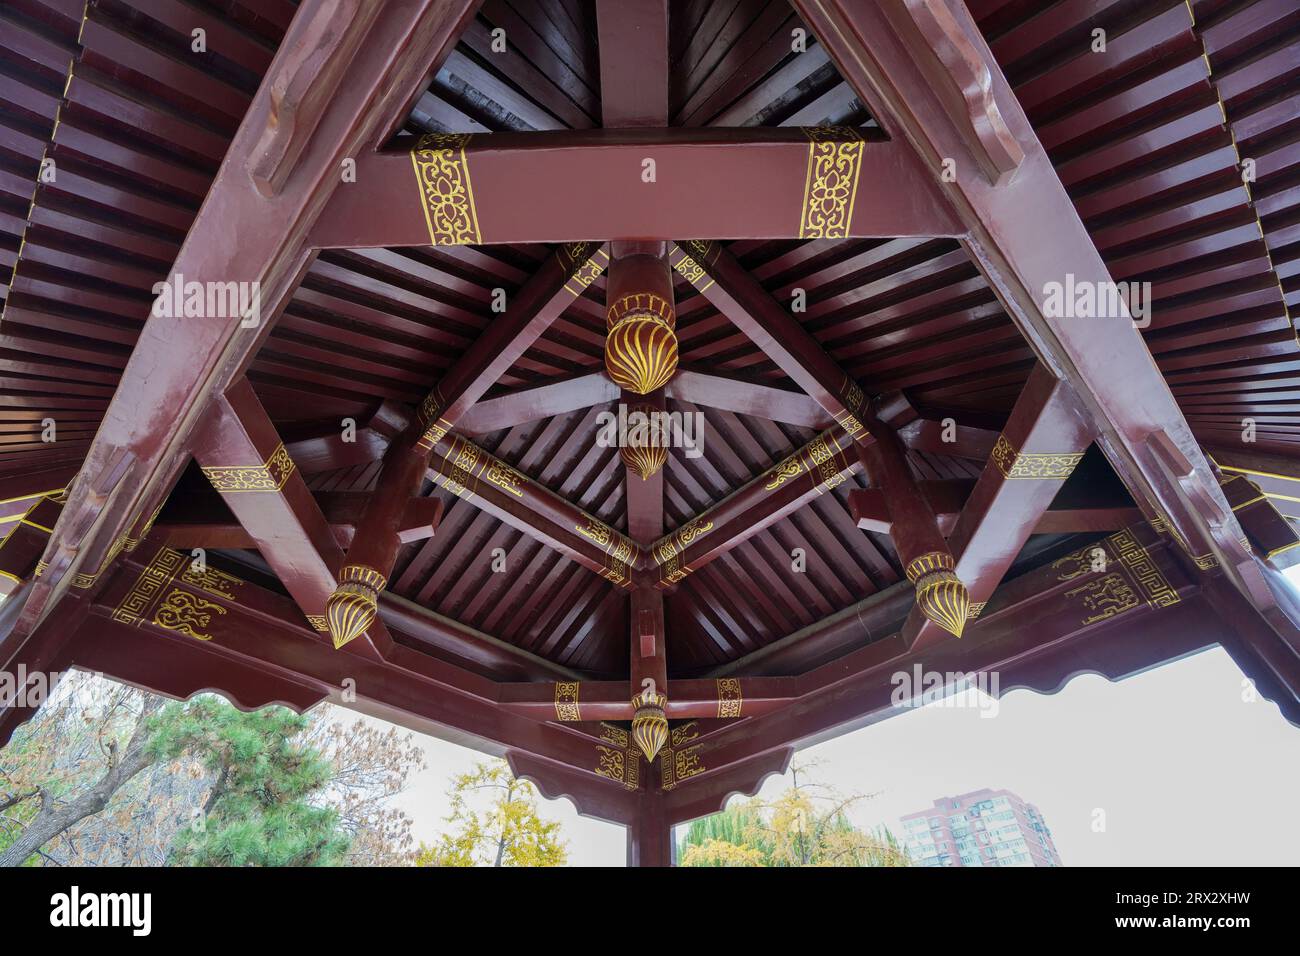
1146	139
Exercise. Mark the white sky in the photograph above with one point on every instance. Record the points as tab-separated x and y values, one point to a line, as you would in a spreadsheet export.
1186	770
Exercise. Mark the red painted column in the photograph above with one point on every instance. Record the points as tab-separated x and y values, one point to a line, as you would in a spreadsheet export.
650	835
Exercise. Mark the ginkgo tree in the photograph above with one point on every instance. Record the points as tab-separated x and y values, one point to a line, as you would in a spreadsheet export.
807	825
494	821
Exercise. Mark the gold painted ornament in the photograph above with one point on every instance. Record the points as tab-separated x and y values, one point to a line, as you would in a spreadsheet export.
353	606
650	723
644	462
645	450
641	347
940	594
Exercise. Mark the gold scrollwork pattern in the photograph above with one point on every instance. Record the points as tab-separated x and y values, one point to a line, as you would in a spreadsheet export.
692	272
622	766
1048	467
270	476
678	765
1105	597
818	457
730	699
318	623
585	273
446	191
610	763
976	609
1143	569
617	736
211	580
831	183
148	587
187	613
505	477
596	531
685	733
791	467
1088	559
566	701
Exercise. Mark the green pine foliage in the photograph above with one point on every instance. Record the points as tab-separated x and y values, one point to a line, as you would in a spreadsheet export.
260	811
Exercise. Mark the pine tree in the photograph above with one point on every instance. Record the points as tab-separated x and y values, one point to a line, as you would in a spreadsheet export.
259	811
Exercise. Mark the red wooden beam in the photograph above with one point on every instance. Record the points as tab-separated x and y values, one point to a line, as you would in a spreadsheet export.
242	456
588	185
870	510
814	469
716	274
196	524
730	393
1045	627
632	36
343	77
534	402
715	699
1037	451
323	448
941	595
735	394
469	472
176	632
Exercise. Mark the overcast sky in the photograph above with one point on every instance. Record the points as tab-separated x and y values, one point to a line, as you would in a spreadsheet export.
1186	770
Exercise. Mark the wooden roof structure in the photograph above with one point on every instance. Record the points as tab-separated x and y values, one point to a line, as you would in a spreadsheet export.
855	208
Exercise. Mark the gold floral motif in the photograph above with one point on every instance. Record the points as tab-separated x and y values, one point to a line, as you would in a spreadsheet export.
1105	597
318	623
1013	464
976	609
831	183
271	476
566	701
730	700
187	613
446	192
